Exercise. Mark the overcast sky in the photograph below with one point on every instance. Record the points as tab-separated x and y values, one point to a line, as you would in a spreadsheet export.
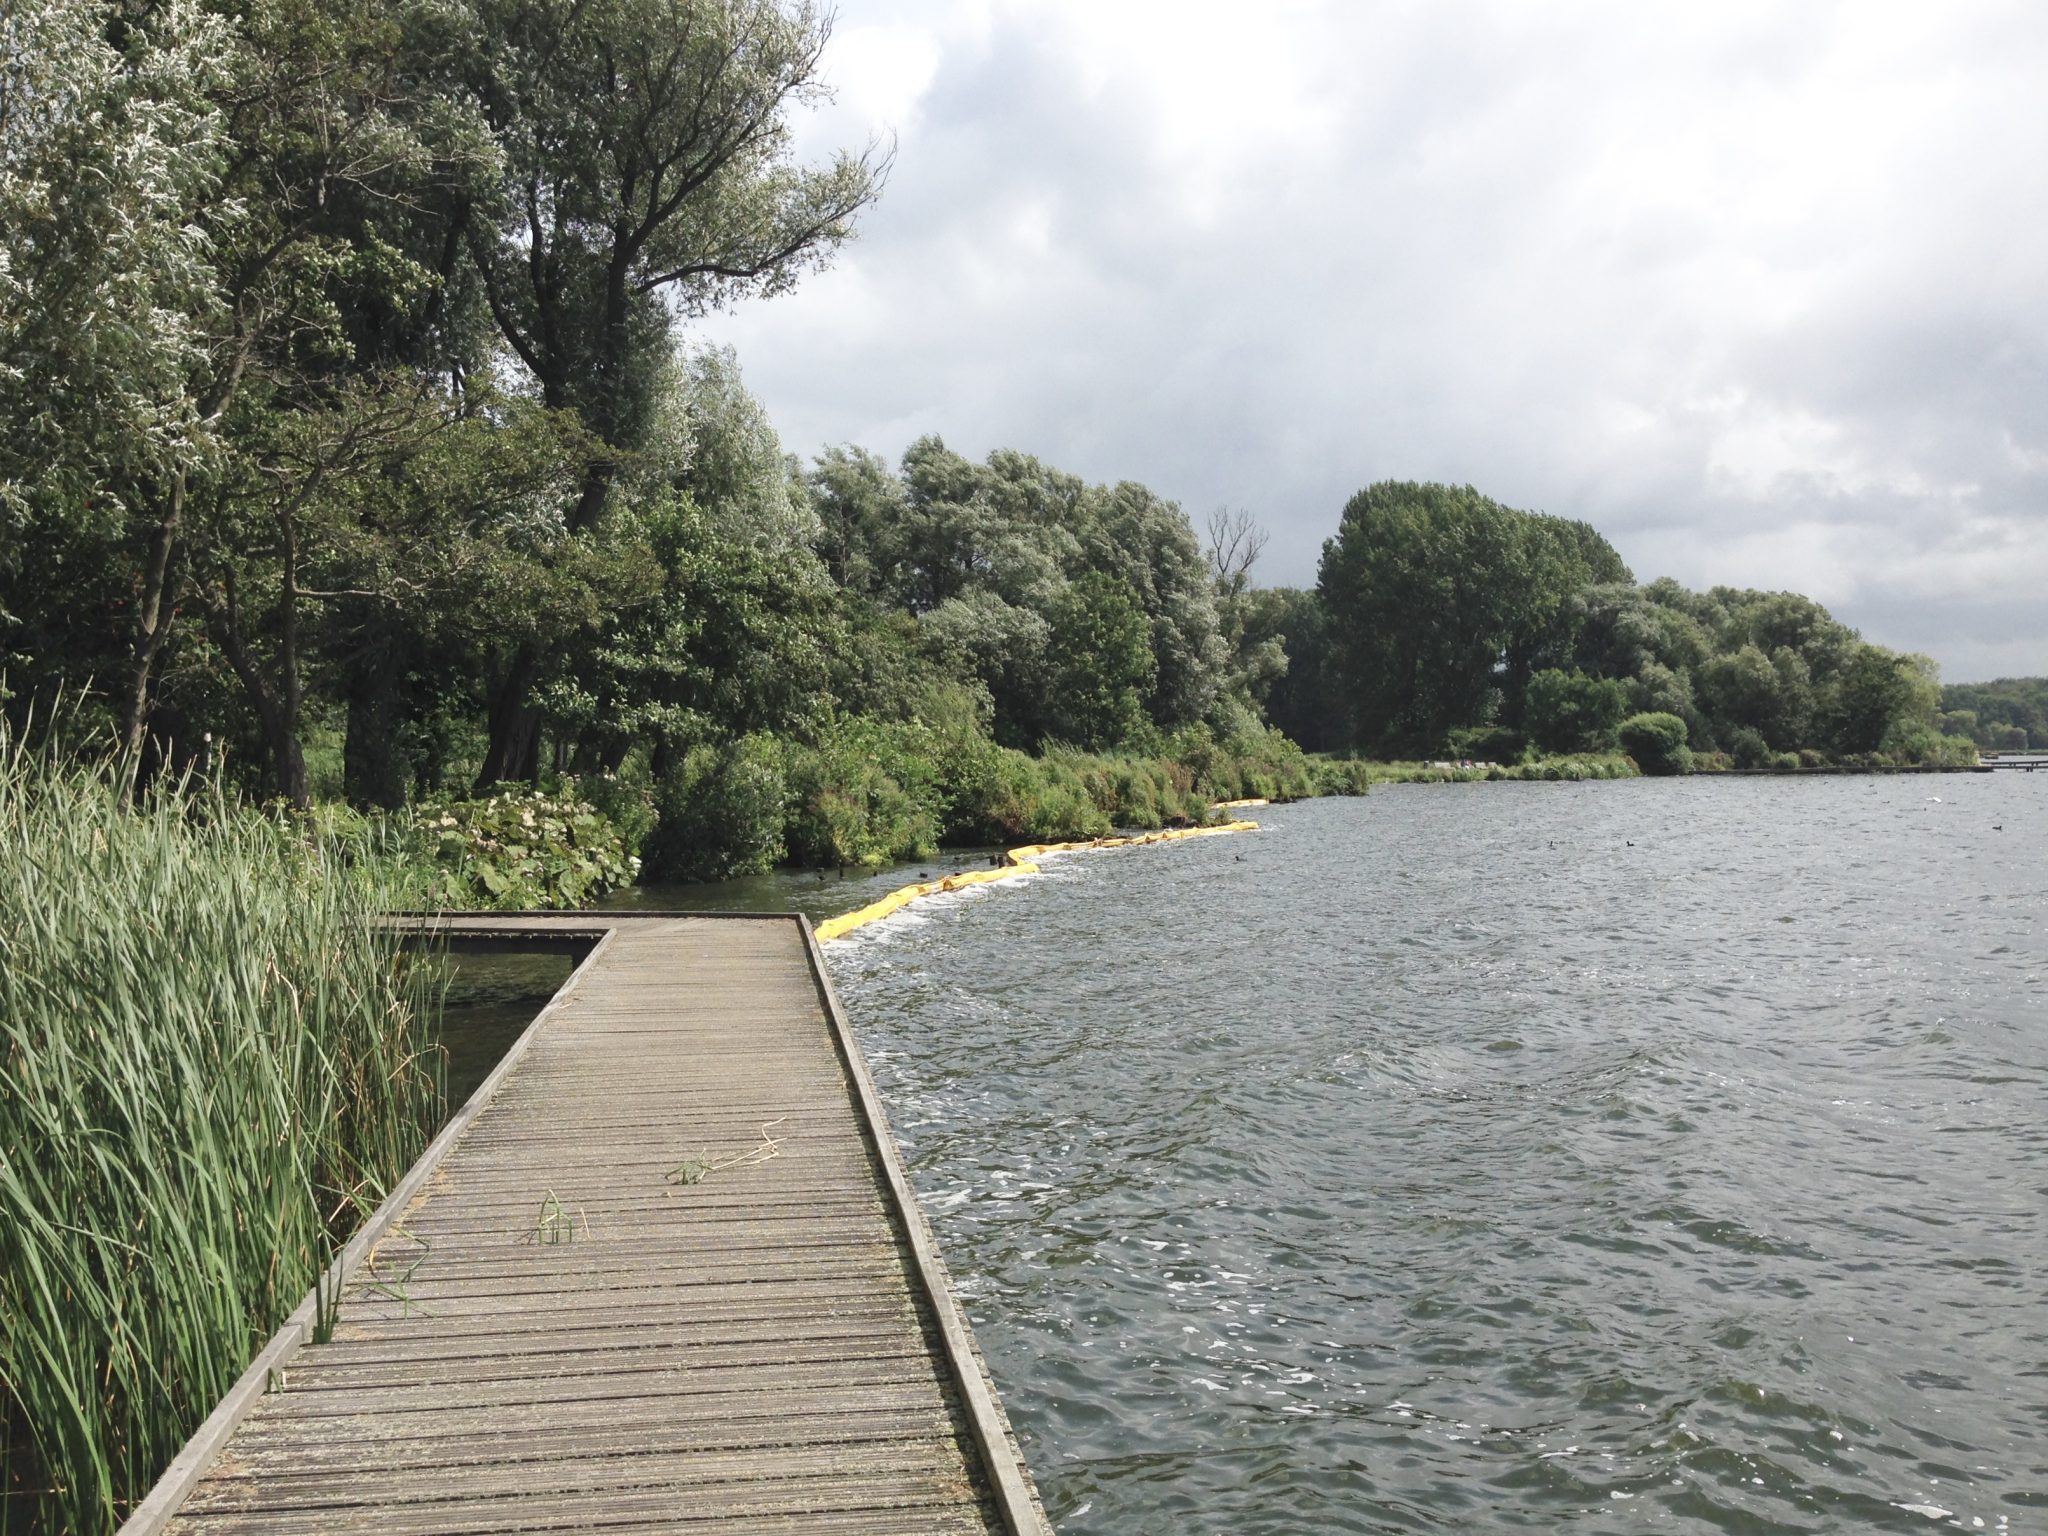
1761	291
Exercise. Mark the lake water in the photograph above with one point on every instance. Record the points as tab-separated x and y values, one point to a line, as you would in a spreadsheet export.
1658	1155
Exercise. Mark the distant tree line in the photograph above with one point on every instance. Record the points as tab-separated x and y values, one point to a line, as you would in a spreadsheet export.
1445	622
2009	715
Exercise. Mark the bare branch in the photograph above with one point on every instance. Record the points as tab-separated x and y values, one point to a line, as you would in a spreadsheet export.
1235	543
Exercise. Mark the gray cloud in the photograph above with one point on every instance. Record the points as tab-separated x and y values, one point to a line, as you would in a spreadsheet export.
1757	290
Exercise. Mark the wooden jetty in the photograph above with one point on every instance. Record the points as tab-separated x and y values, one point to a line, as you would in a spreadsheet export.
663	1273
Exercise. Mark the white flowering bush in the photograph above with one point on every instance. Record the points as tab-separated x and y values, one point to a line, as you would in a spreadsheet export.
520	849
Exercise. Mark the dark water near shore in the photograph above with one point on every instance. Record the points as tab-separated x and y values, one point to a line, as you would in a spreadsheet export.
1653	1155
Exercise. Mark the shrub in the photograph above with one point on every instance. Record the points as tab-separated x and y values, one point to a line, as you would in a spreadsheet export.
1571	712
1918	743
1339	776
722	811
1657	743
1488	744
1746	745
863	794
627	803
520	848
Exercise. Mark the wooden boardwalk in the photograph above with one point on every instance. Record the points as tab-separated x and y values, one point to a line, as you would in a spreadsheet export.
550	1327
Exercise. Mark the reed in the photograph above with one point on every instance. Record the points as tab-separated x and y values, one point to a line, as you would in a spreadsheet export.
211	1066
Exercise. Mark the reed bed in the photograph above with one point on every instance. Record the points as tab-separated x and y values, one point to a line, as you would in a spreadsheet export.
211	1067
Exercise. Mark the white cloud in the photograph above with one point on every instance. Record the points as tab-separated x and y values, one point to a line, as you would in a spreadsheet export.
1755	288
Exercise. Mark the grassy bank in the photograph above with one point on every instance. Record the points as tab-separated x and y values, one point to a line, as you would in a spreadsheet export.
212	1069
1570	767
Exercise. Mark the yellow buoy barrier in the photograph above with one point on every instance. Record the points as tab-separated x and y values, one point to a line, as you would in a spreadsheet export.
1021	861
1237	805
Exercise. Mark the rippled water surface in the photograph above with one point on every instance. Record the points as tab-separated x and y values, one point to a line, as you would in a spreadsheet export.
1655	1155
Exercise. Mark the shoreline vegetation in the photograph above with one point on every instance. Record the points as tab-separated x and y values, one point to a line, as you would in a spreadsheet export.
211	1068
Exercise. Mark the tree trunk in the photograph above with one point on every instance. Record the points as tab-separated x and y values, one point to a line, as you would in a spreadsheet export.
513	755
277	708
374	770
152	624
288	761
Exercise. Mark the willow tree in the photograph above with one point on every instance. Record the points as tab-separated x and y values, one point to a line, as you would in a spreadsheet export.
648	174
112	150
198	213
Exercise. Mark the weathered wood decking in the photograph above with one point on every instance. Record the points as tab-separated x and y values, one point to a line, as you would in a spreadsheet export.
552	1333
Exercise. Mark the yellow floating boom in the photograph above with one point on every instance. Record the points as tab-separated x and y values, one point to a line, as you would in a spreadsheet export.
1020	861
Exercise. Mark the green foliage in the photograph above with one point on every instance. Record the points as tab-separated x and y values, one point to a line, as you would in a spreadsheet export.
2009	715
1571	712
519	849
1440	614
1657	743
1488	744
1875	691
865	793
1573	768
723	810
109	154
1256	764
626	801
211	1066
1339	776
1918	744
1099	664
1430	588
985	555
1747	747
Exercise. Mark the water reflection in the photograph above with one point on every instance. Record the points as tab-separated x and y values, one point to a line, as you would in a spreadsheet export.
489	1001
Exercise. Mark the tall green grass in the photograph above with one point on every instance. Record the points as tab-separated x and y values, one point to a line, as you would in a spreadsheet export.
211	1067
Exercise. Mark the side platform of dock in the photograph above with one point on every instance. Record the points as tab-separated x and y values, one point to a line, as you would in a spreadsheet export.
664	1272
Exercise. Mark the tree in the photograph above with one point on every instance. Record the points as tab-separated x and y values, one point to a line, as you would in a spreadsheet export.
1099	663
1235	543
1571	712
732	463
1875	691
1002	647
112	146
1147	539
1423	588
2009	712
1304	701
1254	655
737	639
647	174
1560	560
855	498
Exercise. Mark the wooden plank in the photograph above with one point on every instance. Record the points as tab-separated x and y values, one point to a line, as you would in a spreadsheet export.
673	1468
773	1348
465	1434
533	1507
